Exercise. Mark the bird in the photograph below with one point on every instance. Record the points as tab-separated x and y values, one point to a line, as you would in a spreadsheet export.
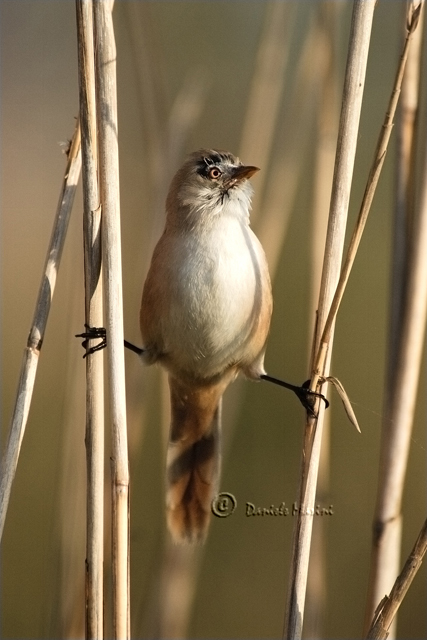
205	317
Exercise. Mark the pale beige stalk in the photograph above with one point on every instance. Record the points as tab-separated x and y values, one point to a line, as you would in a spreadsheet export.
35	339
404	187
402	381
368	196
387	609
346	149
94	318
327	94
106	111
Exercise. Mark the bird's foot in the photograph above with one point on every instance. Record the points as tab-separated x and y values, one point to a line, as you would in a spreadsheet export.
303	393
93	333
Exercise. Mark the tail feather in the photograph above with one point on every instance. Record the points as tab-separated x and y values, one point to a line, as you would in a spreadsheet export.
193	460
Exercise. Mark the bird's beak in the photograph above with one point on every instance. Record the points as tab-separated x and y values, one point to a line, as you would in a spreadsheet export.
240	173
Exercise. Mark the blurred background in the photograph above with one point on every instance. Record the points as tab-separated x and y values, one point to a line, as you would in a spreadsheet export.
263	80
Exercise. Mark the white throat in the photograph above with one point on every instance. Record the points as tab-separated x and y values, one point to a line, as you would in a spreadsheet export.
207	203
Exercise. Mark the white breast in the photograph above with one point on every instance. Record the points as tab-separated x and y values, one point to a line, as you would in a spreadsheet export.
216	294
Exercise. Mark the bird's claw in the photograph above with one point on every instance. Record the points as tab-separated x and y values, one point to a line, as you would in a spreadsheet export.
93	333
308	398
303	393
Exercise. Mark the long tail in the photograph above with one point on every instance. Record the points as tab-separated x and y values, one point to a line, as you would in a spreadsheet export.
193	459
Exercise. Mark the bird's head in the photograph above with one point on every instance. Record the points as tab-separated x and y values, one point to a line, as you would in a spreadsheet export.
210	183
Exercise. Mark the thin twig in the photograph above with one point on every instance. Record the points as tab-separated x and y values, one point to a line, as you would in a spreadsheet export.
37	331
94	318
105	69
387	609
346	149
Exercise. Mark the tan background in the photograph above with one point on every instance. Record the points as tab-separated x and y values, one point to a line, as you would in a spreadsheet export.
211	46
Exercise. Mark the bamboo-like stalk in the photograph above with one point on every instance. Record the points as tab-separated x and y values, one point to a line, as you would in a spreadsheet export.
404	200
363	11
371	186
105	71
94	318
399	412
387	609
35	339
326	134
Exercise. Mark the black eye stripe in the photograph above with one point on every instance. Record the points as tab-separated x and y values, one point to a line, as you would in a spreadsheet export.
207	162
213	158
206	165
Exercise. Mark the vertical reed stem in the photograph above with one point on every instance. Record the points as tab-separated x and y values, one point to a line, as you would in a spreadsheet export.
326	127
363	11
94	318
399	409
105	69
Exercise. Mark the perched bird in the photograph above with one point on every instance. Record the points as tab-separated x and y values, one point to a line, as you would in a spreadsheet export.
205	316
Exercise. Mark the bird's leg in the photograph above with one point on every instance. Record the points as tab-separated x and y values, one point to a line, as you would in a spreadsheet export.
134	348
92	333
303	393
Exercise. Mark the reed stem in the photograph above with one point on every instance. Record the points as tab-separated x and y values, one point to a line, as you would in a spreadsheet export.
108	157
35	339
94	318
362	18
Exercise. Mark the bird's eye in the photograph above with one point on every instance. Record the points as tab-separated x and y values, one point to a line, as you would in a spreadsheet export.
214	173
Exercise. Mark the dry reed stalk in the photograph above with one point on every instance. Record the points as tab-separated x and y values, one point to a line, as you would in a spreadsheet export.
38	327
326	135
312	437
363	11
405	362
94	318
108	158
404	197
371	186
387	609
